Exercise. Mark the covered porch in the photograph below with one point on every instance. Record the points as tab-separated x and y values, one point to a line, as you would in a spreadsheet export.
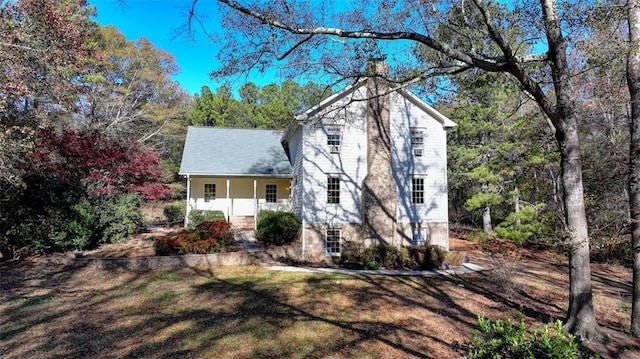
239	198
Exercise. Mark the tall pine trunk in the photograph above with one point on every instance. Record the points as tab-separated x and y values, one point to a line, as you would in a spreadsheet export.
633	82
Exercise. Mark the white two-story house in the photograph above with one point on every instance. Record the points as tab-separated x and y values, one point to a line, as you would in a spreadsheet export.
369	164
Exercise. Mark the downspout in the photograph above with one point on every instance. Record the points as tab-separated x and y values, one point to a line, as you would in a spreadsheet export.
188	207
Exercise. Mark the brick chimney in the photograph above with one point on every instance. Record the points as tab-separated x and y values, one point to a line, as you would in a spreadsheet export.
379	192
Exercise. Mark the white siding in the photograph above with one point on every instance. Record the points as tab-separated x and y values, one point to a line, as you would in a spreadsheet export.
349	164
432	165
297	160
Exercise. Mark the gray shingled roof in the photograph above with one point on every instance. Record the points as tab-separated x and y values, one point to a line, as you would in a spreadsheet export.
233	151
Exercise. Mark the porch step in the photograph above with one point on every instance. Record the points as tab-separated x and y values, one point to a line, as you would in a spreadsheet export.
242	222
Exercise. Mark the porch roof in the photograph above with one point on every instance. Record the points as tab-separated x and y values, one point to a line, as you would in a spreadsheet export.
233	151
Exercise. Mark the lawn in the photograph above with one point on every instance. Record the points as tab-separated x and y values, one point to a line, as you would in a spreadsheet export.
52	311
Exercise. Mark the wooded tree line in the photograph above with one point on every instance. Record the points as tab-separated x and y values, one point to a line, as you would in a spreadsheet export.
87	119
271	106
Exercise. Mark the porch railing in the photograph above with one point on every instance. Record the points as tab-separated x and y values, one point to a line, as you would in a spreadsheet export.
278	206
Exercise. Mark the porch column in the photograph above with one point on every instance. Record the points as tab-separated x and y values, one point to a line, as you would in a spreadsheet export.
255	201
188	207
229	202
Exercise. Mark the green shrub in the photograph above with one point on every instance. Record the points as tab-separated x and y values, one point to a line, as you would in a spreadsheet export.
416	256
387	256
198	216
426	257
523	225
174	213
355	255
434	257
82	224
277	228
504	339
118	217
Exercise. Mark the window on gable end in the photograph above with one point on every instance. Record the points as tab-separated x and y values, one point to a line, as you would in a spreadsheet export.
333	141
417	141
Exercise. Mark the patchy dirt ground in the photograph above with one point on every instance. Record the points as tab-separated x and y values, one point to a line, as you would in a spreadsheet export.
51	310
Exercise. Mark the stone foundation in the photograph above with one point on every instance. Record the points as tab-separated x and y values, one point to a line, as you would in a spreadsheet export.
435	234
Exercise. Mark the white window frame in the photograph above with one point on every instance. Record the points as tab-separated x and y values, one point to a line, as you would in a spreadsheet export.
333	193
334	139
273	192
417	141
417	189
333	242
419	237
210	192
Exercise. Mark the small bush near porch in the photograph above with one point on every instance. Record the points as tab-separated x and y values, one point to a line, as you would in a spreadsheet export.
277	228
198	216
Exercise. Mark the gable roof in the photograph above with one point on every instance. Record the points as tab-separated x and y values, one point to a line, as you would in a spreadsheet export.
233	152
445	121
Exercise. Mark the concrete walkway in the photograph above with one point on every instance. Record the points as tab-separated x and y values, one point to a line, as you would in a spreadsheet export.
465	268
247	240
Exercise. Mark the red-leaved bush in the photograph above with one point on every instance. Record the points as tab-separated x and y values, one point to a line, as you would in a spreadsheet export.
207	237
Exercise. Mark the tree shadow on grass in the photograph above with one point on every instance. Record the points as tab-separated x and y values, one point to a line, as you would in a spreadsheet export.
79	311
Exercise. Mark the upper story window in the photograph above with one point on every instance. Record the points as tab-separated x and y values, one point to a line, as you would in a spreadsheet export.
417	141
209	192
271	193
333	141
333	189
417	190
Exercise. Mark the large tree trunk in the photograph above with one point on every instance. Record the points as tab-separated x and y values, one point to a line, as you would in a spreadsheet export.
633	81
581	320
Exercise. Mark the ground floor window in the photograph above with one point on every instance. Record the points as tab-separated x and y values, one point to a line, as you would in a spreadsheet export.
419	236
272	193
333	242
209	192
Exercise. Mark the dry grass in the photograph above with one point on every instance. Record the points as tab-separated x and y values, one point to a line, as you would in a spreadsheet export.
49	311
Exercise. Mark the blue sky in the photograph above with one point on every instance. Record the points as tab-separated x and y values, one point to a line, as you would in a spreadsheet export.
159	21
